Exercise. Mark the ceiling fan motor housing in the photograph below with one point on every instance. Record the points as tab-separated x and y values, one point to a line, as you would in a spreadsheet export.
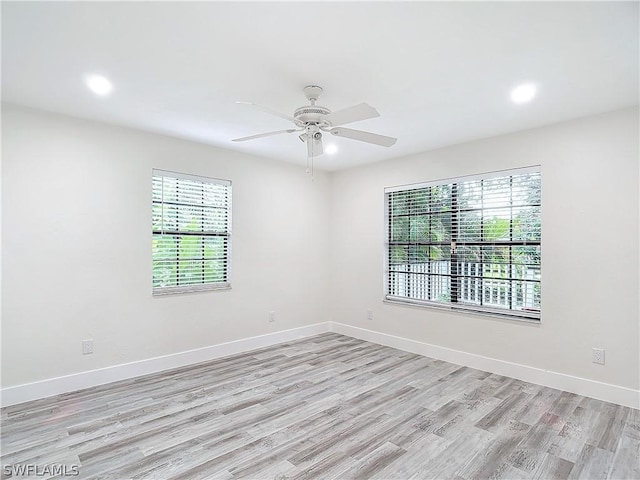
311	114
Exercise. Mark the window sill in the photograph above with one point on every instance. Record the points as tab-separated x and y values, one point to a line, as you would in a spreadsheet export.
462	310
168	291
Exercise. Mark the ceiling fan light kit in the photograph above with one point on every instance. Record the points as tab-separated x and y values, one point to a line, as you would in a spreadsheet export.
314	119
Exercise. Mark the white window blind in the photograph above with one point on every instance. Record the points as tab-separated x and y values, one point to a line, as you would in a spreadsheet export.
470	243
191	223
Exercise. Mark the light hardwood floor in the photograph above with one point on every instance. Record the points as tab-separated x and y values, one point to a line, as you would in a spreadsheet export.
327	406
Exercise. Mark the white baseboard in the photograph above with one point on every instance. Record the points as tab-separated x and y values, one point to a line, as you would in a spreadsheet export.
69	383
582	386
78	381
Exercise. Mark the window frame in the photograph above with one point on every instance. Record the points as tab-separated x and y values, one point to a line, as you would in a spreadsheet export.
226	234
532	316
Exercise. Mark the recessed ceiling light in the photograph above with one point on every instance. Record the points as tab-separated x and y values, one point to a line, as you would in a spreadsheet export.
330	149
523	93
98	84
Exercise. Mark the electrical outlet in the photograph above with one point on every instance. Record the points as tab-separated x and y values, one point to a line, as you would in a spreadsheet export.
87	346
369	314
598	355
272	316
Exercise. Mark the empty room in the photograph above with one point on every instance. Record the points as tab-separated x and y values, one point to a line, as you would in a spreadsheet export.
320	240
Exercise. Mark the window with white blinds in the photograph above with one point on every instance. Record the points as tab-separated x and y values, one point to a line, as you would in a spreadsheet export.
191	223
470	243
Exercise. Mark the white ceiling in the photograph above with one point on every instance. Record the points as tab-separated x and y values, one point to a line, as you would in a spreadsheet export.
439	73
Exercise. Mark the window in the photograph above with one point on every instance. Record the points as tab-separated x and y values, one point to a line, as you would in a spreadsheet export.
470	243
191	233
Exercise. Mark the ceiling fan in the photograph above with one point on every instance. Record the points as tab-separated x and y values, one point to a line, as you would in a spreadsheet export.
312	120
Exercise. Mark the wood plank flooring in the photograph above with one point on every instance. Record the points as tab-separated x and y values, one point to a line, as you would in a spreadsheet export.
327	406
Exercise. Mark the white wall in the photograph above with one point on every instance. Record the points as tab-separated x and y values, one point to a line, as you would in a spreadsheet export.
76	248
76	242
589	249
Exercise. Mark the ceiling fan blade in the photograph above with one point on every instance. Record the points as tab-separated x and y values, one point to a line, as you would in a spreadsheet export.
362	111
381	140
269	110
260	135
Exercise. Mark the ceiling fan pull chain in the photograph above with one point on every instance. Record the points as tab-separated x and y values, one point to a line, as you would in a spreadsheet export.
309	154
310	140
